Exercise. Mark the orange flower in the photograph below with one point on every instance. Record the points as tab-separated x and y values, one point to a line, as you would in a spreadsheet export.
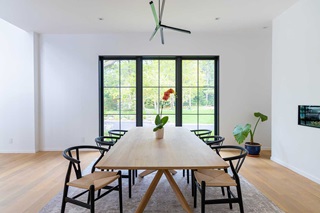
159	120
170	90
166	96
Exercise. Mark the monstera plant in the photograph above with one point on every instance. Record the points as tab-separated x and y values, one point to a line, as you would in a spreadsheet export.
240	133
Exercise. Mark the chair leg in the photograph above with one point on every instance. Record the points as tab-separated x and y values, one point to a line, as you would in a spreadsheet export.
222	190
133	177
240	198
120	193
203	196
129	182
192	183
195	195
65	194
229	197
91	192
187	176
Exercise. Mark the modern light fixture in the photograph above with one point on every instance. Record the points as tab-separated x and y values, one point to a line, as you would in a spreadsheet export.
161	26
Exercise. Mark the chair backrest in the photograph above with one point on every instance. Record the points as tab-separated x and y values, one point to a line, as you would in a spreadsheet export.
201	132
73	154
117	132
235	160
213	140
107	141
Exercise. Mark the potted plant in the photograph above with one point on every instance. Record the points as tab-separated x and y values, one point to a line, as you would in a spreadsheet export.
240	133
159	120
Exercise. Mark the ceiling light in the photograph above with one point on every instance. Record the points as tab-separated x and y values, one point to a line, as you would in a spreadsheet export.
159	25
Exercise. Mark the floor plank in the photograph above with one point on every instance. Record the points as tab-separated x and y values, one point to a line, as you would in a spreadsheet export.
29	181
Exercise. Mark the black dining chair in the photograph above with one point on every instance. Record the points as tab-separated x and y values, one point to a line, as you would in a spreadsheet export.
212	140
117	132
203	178
95	180
108	142
199	133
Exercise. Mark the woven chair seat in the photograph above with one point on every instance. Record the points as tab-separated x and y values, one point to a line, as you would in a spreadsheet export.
214	178
98	179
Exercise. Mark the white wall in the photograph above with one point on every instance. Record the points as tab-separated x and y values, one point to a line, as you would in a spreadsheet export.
69	79
295	81
17	90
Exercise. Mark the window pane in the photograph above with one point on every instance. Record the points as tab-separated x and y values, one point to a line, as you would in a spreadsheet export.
189	73
189	121
111	72
150	101
128	121
128	73
128	101
206	100
189	100
206	73
206	122
167	73
150	73
111	101
111	122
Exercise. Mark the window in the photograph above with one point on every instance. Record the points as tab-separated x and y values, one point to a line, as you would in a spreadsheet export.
131	89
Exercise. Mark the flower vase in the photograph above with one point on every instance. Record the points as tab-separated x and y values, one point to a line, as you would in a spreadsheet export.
159	133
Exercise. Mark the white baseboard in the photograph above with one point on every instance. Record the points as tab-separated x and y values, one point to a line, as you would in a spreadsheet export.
17	151
311	177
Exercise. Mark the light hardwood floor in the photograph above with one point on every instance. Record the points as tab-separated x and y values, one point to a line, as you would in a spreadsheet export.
29	181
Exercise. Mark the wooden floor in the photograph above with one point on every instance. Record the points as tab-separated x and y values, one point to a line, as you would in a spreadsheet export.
29	181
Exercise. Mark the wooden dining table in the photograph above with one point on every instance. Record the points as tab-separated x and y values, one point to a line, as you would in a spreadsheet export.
179	149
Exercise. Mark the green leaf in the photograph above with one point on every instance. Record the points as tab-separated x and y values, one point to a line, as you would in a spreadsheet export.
159	126
241	133
261	116
157	120
164	120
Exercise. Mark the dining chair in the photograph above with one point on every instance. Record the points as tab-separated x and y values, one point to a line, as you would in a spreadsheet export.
108	142
91	182
201	132
212	140
203	178
117	132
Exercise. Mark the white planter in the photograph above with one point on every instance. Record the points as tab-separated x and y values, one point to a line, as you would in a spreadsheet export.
159	133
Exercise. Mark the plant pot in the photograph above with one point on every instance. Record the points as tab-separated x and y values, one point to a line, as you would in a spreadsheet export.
159	133
253	149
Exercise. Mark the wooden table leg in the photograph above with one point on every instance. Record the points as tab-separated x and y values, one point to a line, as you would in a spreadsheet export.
147	172
143	203
177	191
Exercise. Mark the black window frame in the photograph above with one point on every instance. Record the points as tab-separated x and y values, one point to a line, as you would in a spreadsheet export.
139	84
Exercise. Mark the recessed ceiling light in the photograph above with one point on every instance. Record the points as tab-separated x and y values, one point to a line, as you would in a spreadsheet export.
265	27
100	19
217	18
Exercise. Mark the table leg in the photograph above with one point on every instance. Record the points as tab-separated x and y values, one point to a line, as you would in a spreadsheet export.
143	203
147	172
177	191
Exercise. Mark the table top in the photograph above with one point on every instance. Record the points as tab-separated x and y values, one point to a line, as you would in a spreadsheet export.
179	149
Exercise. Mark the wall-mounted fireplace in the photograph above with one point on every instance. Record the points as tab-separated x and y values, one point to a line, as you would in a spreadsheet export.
309	115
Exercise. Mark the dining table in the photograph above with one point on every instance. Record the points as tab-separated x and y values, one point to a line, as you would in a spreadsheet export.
139	149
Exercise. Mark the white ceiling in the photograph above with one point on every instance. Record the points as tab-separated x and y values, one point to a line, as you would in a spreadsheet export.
82	16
